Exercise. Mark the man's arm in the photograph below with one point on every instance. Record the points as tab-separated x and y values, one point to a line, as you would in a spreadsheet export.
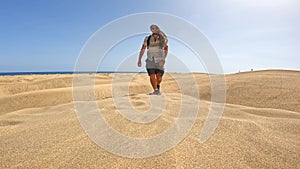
166	48
141	55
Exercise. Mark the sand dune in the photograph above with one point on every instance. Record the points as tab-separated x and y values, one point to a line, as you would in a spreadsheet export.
260	127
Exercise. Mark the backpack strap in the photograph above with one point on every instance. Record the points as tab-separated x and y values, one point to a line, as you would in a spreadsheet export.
148	41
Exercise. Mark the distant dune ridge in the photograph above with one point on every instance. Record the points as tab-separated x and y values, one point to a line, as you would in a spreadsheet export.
260	127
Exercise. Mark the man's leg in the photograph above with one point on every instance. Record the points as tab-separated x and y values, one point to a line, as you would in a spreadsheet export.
159	73
158	81
152	71
153	81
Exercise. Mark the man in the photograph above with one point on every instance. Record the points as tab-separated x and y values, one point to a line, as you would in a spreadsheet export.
156	55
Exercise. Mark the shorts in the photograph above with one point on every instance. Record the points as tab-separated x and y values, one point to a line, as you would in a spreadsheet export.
154	68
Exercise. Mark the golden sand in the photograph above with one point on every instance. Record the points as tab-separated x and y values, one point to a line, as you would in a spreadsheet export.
260	127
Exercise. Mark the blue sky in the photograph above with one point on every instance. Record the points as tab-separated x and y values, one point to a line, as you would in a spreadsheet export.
246	34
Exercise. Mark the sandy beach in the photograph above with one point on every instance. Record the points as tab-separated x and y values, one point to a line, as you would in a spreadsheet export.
259	128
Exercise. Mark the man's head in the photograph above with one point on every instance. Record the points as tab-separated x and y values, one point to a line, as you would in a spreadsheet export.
154	28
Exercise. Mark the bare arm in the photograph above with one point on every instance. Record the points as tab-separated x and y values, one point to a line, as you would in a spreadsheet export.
166	48
141	55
